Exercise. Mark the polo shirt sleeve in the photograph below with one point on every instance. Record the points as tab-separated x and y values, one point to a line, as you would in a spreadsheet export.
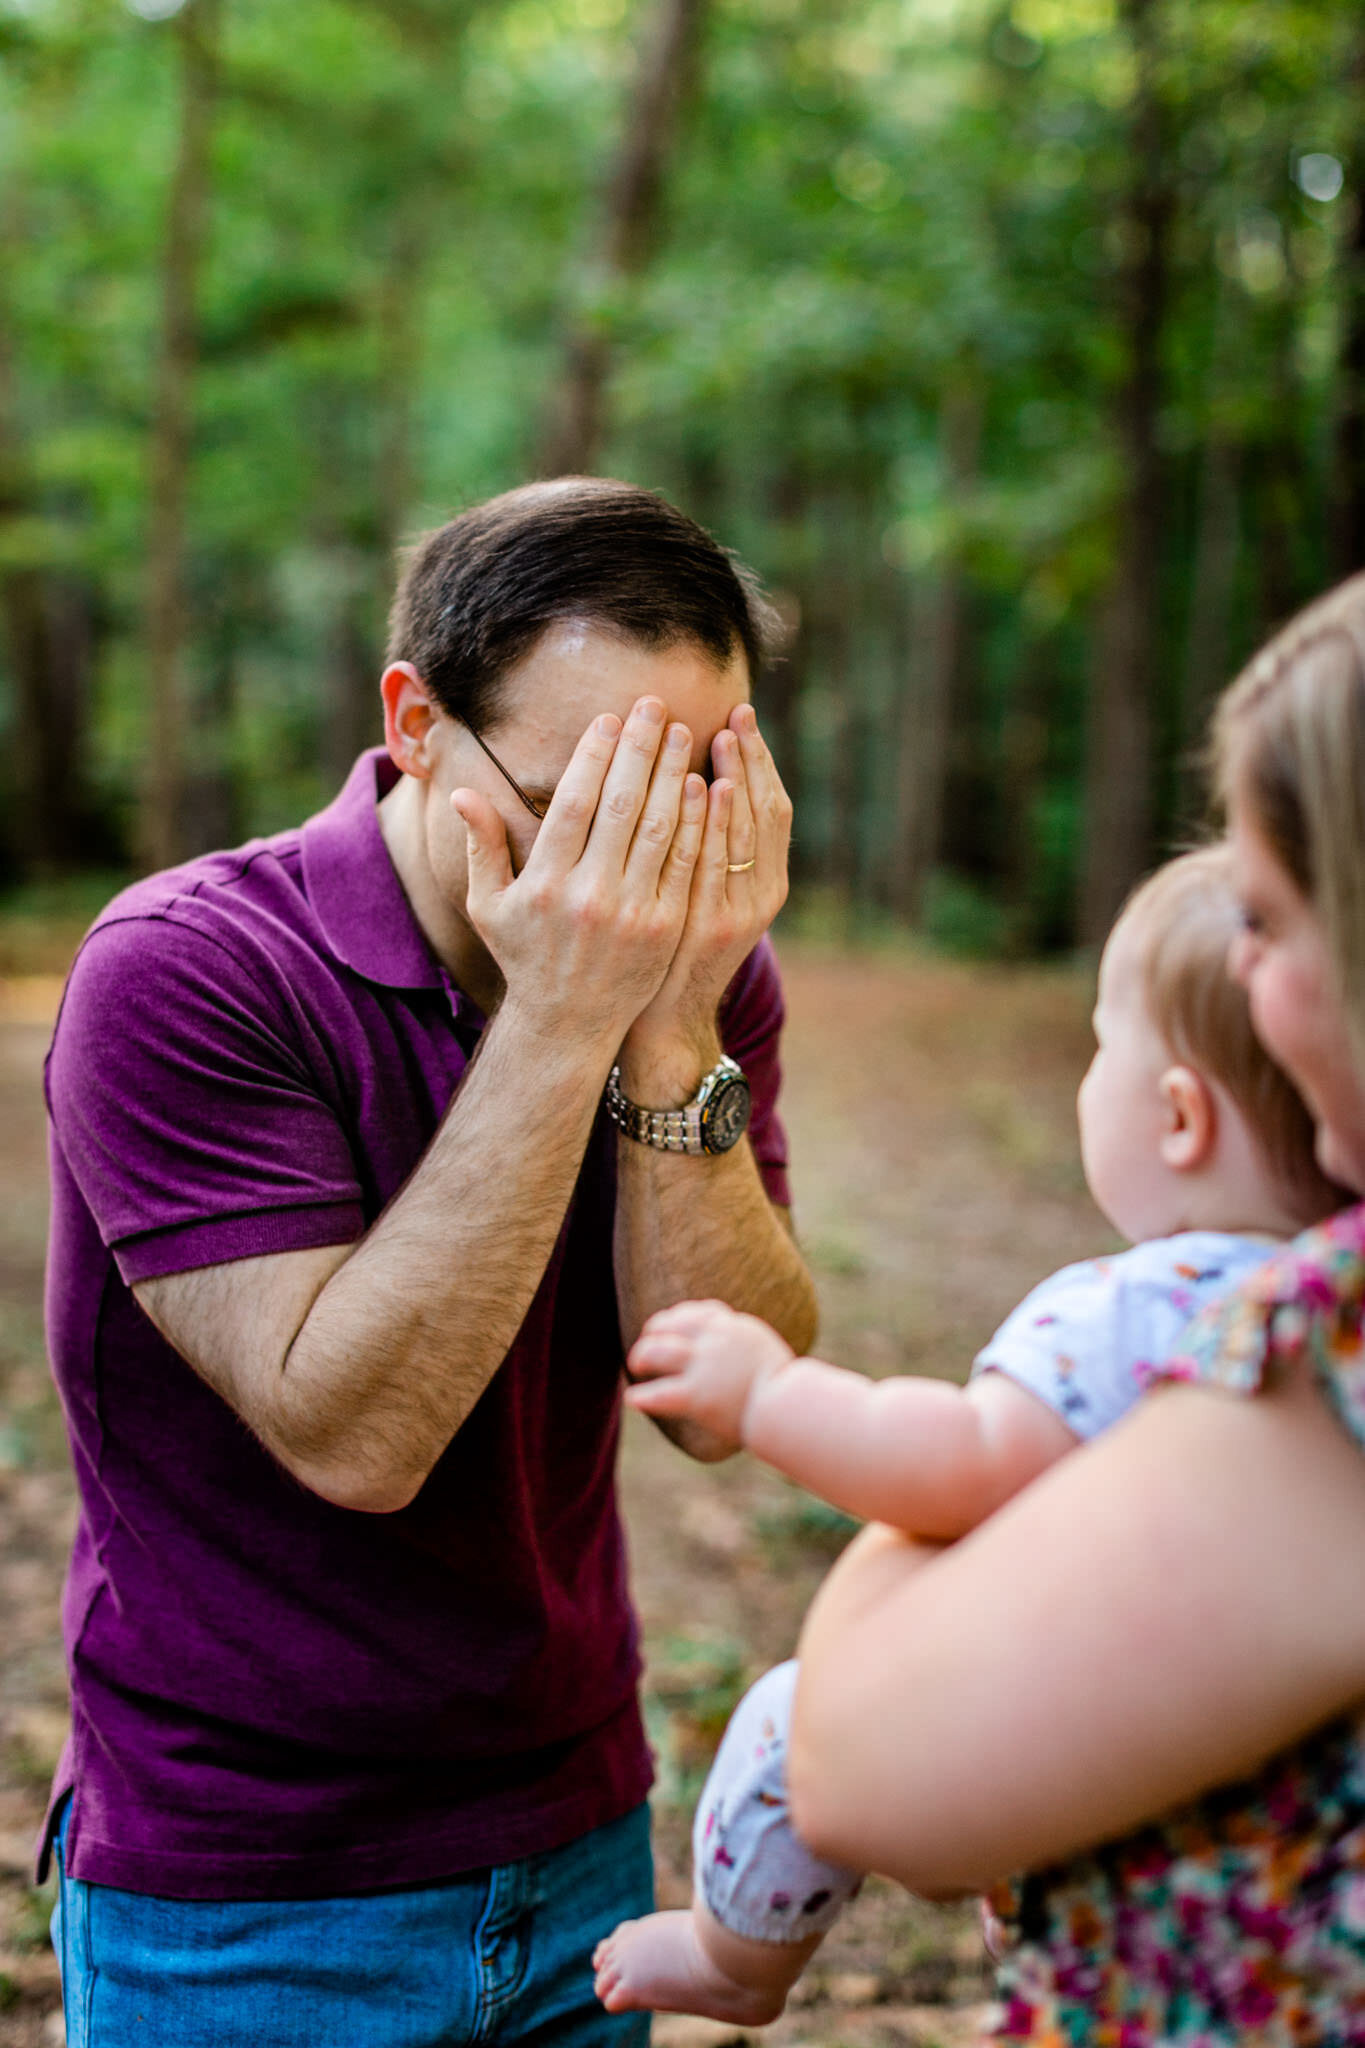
186	1109
751	1020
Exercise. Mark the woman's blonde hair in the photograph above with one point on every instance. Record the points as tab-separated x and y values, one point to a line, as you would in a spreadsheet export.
1289	742
1183	920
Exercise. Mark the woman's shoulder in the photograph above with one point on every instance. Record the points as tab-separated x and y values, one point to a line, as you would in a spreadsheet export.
1310	1296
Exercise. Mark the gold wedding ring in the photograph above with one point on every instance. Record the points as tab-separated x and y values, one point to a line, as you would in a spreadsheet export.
739	867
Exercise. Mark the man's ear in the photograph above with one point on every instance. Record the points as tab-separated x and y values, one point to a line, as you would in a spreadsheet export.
1191	1119
409	719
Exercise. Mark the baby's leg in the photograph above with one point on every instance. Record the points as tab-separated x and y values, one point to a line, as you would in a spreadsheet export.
761	1902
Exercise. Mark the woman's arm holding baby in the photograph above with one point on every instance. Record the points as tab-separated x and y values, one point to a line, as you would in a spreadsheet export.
922	1454
1159	1615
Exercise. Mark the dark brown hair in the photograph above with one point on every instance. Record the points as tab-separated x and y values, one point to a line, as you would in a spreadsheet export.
476	595
1184	919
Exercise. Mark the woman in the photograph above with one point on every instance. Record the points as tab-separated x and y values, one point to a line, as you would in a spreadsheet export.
1160	1646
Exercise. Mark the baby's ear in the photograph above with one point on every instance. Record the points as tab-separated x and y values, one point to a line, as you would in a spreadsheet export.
1191	1119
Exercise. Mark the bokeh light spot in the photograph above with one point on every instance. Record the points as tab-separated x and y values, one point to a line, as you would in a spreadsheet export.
1319	176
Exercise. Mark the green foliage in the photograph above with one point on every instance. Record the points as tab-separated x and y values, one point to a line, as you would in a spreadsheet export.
804	1527
31	1924
42	921
875	213
962	917
691	1688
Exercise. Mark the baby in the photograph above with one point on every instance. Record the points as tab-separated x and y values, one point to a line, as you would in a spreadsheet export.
1201	1155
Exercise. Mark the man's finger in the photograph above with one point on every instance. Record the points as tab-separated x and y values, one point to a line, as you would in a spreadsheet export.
765	784
486	850
676	879
772	806
658	825
742	837
709	879
626	786
564	834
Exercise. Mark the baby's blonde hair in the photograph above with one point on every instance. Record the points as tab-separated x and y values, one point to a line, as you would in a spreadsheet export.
1183	920
1289	741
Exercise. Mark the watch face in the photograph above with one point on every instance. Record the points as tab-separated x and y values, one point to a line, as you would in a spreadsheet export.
725	1118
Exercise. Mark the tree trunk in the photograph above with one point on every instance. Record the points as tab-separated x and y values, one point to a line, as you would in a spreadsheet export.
1208	642
778	691
1023	758
213	813
364	549
49	624
351	684
401	330
629	230
1290	567
1119	736
1347	535
845	777
926	698
50	630
162	832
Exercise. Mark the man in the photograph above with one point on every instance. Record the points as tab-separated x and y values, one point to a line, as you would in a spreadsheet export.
337	1308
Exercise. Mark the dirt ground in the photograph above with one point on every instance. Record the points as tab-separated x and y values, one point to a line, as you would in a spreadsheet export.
930	1106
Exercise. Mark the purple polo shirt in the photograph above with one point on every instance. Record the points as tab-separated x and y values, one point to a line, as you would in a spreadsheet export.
273	1697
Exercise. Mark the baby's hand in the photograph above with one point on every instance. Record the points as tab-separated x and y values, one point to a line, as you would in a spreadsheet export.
701	1361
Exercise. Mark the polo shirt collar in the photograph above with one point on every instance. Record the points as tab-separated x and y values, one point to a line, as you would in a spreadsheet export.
354	888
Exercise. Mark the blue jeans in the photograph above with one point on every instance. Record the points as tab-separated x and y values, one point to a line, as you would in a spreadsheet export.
499	1955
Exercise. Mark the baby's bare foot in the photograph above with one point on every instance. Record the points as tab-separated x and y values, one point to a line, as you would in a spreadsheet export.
659	1965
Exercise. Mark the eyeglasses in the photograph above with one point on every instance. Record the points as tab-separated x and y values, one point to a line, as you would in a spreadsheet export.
536	810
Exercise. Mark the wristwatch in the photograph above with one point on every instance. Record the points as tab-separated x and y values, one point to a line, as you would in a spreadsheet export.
715	1119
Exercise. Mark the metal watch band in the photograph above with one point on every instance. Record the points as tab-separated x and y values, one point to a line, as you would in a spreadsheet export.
666	1130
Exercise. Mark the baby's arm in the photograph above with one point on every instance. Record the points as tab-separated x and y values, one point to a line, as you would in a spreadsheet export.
928	1457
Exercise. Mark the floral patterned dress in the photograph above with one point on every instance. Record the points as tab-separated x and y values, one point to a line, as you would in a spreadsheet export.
1241	1918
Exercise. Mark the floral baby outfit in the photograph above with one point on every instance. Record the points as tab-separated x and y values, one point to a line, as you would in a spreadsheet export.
1240	1918
755	1873
1090	1339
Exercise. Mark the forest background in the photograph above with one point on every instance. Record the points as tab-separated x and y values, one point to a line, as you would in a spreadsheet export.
1020	348
1019	345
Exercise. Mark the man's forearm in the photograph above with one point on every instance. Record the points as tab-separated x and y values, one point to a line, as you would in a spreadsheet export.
689	1227
406	1334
